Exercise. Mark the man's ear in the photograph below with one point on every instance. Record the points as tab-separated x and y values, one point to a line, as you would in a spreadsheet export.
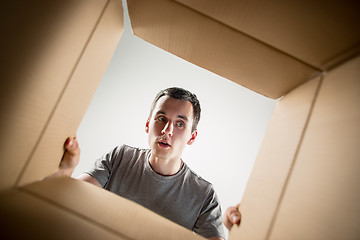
147	126
193	136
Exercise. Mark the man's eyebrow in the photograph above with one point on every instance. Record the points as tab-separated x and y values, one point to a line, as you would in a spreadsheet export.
160	112
183	117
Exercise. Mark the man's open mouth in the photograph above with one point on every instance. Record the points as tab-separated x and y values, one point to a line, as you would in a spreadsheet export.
164	144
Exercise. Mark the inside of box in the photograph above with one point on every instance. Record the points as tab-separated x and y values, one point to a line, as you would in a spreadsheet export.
232	117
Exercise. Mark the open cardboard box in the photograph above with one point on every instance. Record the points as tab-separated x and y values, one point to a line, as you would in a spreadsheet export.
304	184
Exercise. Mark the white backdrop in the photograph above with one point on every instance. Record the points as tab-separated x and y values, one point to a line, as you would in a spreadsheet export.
230	131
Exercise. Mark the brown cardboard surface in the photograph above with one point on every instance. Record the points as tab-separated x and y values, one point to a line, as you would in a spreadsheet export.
322	33
106	208
274	161
24	216
217	47
44	40
322	200
77	94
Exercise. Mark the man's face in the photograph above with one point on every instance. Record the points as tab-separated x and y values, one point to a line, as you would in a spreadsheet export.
169	128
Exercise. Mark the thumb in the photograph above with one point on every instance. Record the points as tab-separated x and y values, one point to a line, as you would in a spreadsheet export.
235	219
71	145
235	215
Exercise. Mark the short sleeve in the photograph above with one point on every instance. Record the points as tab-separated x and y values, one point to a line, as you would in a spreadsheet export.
209	223
102	168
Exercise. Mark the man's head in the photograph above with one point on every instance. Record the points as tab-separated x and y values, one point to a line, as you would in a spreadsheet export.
172	123
184	95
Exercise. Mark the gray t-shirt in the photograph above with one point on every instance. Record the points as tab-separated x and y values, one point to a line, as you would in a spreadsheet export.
184	198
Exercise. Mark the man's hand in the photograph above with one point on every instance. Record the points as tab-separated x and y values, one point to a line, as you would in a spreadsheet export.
232	216
70	158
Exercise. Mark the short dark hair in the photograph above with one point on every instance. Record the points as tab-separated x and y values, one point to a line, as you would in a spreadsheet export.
181	94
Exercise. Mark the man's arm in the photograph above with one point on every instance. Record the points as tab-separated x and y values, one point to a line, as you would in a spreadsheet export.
88	178
70	160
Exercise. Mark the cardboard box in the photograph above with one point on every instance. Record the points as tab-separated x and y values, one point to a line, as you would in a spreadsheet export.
304	184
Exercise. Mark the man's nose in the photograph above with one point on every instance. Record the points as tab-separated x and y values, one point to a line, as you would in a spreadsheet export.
168	129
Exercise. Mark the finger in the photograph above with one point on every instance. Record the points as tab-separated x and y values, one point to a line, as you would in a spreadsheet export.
235	215
71	144
232	210
235	218
67	142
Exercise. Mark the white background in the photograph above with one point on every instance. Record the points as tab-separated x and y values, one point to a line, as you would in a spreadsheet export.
232	125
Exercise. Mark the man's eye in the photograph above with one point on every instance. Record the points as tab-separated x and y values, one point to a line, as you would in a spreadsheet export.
179	124
161	119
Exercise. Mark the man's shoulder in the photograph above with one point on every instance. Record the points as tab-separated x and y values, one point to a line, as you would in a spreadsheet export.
131	149
198	182
125	153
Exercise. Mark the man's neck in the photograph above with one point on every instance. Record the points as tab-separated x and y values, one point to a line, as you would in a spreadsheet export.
165	167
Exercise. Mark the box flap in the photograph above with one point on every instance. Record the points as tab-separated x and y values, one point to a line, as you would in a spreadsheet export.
38	63
77	94
217	47
51	48
322	33
106	208
322	199
274	162
25	216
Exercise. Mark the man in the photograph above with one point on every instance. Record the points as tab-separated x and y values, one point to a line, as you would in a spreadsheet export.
157	178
